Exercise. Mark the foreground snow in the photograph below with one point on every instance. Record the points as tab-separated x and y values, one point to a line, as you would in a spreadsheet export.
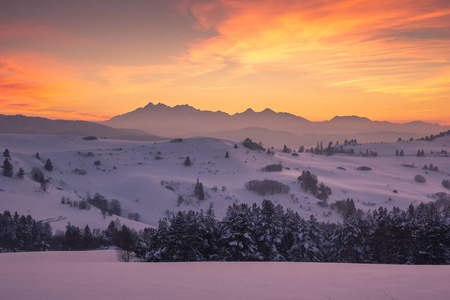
98	275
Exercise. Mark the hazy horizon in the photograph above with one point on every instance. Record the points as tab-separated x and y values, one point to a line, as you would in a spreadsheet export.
94	60
218	110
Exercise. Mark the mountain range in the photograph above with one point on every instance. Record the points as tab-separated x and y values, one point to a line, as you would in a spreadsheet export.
272	128
161	122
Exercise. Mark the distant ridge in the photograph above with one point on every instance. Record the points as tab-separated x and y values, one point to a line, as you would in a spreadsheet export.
268	125
37	125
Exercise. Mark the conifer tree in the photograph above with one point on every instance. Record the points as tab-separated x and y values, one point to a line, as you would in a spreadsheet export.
198	190
48	165
7	168
21	173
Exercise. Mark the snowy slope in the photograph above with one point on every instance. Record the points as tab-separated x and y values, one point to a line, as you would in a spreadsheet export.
97	275
149	177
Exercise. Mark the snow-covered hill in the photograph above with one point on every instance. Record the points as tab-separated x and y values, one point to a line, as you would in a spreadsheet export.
150	178
98	275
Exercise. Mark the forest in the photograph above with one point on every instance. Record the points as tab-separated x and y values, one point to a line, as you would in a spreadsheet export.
266	232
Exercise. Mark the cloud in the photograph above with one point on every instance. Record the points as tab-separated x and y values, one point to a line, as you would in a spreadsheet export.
373	45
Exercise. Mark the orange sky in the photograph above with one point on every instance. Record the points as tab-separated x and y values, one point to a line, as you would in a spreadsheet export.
91	60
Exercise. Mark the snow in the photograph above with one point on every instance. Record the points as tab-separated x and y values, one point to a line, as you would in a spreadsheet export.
130	172
98	275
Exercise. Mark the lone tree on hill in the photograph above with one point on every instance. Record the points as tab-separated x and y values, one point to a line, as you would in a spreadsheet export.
187	161
227	155
6	153
7	168
21	173
198	191
48	165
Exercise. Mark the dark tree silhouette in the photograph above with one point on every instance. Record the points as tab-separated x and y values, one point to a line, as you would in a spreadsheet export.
48	165
7	168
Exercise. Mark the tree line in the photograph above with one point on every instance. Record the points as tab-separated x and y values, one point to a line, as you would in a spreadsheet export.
418	235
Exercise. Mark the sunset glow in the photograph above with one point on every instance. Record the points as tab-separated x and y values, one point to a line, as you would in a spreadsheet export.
92	60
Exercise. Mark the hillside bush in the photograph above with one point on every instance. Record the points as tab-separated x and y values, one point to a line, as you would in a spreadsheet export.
99	201
37	175
267	186
252	145
176	140
363	168
272	168
420	178
310	183
90	138
446	183
79	171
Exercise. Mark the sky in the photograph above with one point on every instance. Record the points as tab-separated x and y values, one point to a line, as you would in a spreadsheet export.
91	60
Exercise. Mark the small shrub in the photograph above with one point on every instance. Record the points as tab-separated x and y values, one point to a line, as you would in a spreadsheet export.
170	188
48	165
187	161
419	178
272	168
90	138
446	183
37	175
180	200
134	216
79	171
123	255
176	140
363	168
83	205
97	163
21	173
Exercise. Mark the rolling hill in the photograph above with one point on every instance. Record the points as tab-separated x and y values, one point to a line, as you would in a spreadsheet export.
150	178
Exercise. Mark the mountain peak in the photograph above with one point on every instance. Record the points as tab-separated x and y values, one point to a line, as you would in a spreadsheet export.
185	107
268	111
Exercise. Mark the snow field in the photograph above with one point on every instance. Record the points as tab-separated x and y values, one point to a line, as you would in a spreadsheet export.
148	177
98	275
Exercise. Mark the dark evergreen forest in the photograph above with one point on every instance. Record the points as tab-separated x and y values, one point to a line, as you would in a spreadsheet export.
266	232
